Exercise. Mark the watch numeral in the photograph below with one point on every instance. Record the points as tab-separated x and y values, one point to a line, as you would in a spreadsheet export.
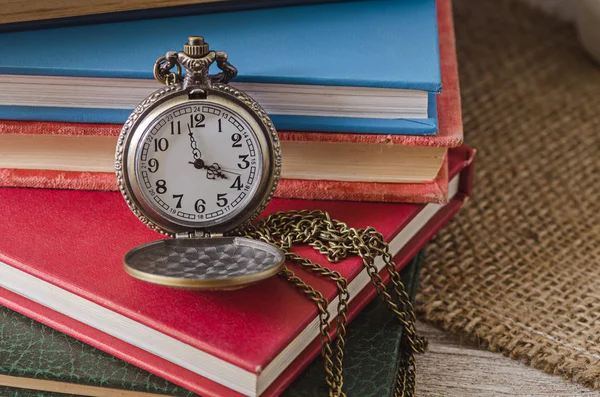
220	125
197	119
244	158
153	165
200	206
161	144
179	197
222	200
237	184
178	127
161	186
236	138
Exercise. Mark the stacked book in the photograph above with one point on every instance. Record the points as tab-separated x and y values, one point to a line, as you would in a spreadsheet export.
365	98
35	356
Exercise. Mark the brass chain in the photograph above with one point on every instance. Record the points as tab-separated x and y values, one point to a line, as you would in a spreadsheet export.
337	241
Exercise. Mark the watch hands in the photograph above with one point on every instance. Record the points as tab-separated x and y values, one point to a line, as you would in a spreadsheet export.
195	151
212	171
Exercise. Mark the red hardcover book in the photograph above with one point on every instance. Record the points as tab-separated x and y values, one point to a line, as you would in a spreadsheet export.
450	134
61	264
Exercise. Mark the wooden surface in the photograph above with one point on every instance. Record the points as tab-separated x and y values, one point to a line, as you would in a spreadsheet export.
456	368
33	10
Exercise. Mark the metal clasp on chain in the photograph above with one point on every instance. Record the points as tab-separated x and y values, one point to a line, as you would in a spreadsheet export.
162	71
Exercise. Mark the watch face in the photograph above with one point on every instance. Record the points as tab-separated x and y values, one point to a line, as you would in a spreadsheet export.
198	164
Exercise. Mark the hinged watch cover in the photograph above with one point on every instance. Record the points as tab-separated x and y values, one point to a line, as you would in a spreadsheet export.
203	259
205	263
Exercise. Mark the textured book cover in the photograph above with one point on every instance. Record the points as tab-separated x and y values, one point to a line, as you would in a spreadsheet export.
31	350
372	44
72	247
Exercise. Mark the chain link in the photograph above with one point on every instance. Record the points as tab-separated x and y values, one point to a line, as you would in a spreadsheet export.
162	71
337	241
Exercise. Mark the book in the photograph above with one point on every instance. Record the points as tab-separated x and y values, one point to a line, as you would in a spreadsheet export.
33	358
39	161
422	190
61	264
325	67
450	135
306	160
36	14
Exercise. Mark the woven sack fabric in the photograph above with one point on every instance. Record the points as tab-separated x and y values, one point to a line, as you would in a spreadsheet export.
519	268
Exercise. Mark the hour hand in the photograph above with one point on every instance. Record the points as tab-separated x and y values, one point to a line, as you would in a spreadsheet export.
212	171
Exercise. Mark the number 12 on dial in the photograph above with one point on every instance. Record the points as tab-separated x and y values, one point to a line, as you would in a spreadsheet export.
206	173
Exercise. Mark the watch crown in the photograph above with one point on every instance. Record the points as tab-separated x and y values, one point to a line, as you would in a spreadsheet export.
196	47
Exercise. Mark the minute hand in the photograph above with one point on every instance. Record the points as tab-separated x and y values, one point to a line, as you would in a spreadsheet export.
195	151
231	172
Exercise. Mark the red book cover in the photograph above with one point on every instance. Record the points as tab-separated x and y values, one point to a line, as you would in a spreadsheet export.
450	134
61	264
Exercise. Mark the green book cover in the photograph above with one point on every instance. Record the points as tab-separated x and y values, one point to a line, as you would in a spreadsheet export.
29	349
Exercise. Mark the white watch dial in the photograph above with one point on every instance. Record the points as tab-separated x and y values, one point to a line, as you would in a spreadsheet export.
199	165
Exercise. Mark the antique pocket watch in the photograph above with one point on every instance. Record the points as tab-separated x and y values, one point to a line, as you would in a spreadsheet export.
197	160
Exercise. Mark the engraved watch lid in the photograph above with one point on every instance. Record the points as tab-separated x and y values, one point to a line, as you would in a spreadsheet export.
204	263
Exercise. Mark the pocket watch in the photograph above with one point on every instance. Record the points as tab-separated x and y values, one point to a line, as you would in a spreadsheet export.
198	160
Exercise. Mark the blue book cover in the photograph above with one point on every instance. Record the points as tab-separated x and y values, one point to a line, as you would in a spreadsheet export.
374	44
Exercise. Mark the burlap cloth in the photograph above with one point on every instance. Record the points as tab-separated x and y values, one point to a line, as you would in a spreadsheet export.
519	268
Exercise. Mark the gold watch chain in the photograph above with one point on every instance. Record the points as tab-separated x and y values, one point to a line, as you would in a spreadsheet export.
336	240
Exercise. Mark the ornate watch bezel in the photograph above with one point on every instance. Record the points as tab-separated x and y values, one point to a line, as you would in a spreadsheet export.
173	95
